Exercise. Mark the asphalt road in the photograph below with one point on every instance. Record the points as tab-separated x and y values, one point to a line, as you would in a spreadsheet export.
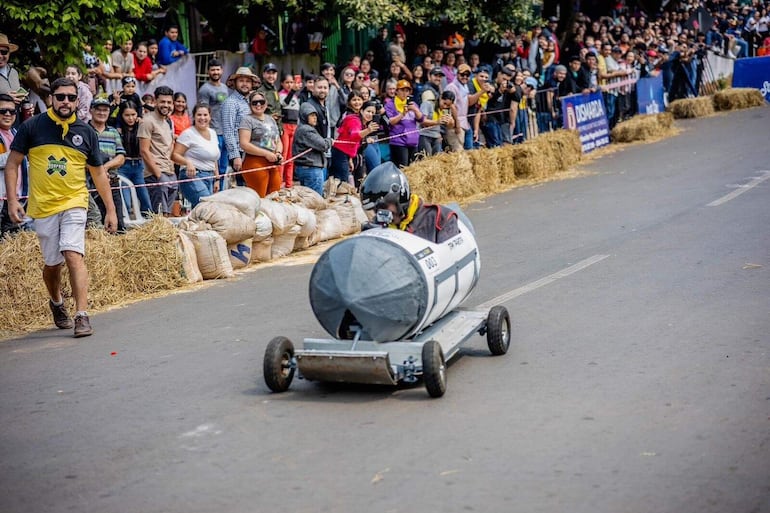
638	381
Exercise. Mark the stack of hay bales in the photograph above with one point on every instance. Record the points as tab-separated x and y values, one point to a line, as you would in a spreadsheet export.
738	98
732	98
461	176
687	108
643	127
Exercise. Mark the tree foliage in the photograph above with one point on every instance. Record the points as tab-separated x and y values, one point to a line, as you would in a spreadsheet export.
488	18
61	27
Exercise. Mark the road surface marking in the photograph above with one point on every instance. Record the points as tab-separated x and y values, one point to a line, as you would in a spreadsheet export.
742	188
543	281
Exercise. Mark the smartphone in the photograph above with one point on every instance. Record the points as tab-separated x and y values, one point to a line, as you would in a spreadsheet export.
22	91
298	79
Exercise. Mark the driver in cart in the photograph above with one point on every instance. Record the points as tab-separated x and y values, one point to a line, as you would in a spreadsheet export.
386	190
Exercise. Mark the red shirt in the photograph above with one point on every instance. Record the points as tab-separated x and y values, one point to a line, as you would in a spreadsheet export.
142	69
349	135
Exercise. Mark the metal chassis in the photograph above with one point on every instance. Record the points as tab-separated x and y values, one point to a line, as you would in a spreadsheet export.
385	363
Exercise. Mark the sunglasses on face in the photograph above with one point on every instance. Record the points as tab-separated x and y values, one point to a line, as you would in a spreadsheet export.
4	51
465	74
60	97
258	102
7	112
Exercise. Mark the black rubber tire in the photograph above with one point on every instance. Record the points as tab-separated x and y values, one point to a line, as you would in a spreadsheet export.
277	364
433	369
498	330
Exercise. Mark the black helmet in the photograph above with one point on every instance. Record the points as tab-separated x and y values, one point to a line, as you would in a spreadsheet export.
385	184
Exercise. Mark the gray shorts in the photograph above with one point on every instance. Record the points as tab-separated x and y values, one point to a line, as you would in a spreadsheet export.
65	231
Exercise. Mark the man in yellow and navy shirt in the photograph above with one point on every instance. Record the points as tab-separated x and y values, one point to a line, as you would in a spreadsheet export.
60	148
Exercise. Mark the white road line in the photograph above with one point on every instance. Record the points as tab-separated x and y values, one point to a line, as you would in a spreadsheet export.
543	281
743	188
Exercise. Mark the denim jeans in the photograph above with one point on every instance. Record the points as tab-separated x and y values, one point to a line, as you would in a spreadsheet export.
372	156
312	177
468	142
222	161
492	133
134	171
196	189
339	167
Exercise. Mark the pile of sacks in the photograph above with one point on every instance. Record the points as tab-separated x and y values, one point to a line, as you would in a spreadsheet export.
233	228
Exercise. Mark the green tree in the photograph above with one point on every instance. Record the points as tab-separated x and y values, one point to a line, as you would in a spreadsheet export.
61	27
488	18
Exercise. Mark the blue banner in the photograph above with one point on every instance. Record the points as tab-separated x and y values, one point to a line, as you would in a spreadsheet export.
585	113
649	94
753	72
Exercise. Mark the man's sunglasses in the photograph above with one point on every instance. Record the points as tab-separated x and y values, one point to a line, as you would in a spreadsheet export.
258	102
4	51
61	97
465	74
7	112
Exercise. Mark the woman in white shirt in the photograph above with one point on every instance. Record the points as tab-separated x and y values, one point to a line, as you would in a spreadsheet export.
197	153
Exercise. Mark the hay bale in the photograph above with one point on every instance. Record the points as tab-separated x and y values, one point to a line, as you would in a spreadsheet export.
738	98
121	268
643	127
443	177
687	108
486	169
563	146
506	172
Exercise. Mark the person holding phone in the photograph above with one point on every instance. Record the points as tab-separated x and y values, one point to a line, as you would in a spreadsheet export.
403	115
351	132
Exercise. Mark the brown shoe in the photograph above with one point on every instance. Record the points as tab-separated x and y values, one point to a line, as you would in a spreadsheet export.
60	316
82	326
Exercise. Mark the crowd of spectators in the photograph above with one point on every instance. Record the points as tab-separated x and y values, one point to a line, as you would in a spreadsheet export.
398	101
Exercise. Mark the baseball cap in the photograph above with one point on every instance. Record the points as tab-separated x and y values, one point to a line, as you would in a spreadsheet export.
553	19
616	49
652	53
436	70
128	80
531	82
403	84
270	67
506	71
463	68
100	102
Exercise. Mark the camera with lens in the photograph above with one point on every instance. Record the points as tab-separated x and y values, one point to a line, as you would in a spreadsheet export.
383	216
